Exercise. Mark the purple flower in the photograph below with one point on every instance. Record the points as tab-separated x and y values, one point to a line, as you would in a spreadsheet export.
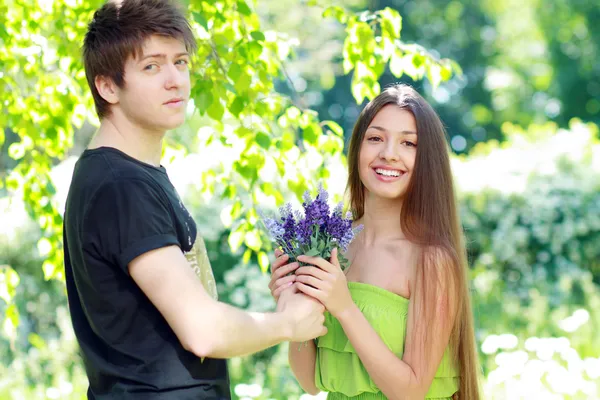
303	231
288	224
316	212
274	228
317	230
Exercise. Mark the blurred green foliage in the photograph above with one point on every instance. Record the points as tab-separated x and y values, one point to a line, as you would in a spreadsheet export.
535	274
276	101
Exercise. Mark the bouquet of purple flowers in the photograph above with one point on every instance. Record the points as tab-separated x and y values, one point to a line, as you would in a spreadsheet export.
316	233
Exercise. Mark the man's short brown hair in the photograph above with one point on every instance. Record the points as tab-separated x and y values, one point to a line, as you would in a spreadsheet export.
118	31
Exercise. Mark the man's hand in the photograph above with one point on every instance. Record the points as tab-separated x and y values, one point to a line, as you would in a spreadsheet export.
304	314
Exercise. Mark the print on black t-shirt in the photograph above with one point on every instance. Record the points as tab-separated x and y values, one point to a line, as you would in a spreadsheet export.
117	209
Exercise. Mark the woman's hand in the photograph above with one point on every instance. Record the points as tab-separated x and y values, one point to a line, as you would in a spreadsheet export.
326	282
279	270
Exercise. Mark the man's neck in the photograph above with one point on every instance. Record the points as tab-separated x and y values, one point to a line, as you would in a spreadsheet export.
129	138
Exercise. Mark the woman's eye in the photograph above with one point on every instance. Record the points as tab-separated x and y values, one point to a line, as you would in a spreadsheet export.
374	139
410	144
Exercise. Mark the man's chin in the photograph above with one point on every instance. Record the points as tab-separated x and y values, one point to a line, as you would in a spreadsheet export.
174	123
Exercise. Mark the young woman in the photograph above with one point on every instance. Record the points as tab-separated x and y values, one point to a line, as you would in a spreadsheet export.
399	318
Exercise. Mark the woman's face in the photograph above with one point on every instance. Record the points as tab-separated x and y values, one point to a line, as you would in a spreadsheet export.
387	153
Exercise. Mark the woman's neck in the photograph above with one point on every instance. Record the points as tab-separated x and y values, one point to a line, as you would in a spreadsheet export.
381	220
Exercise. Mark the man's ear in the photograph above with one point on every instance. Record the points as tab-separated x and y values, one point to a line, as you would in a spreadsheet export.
107	89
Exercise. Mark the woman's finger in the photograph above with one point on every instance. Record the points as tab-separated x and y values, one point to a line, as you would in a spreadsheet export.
312	292
284	281
277	292
313	271
310	280
279	261
318	261
284	270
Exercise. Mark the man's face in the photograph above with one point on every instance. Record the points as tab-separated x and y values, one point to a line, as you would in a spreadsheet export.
157	85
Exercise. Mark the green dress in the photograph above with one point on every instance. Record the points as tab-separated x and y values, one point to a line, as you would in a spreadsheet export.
338	369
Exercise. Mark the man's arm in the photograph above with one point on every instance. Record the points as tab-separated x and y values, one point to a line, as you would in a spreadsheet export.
212	329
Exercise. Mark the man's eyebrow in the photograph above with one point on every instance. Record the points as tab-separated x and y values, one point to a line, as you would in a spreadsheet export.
379	128
163	56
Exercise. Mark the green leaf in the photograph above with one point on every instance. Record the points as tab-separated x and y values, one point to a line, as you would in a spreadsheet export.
247	255
418	60
243	8
49	269
313	252
235	240
234	71
310	134
204	101
227	216
336	12
9	280
263	261
253	240
263	140
199	18
216	111
229	192
391	22
11	321
36	341
254	50
434	73
238	104
397	63
16	150
335	128
321	247
258	35
242	83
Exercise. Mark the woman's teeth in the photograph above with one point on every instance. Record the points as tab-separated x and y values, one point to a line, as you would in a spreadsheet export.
386	172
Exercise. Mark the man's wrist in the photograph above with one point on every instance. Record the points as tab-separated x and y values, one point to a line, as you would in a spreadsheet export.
285	326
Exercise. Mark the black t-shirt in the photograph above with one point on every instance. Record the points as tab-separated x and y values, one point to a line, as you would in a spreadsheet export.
117	209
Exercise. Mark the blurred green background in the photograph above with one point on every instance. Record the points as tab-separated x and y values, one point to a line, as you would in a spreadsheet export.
278	86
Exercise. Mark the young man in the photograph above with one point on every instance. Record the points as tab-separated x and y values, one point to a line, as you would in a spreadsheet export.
146	325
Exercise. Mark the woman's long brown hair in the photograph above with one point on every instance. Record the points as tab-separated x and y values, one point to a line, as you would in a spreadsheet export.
429	218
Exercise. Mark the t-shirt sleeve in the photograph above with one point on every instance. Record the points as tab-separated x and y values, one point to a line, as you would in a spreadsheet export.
128	218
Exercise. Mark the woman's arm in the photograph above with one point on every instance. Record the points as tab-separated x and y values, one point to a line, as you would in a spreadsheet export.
302	357
406	378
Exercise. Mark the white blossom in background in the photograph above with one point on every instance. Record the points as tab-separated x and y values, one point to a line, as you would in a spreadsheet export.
508	169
